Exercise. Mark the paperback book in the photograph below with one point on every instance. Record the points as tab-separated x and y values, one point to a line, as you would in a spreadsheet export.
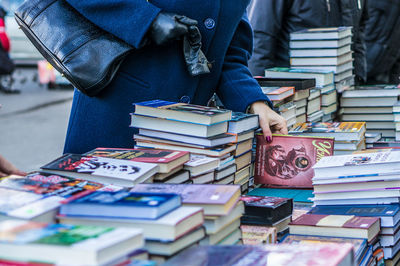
287	161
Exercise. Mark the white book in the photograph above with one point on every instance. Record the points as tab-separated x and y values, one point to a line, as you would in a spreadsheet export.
322	33
229	170
334	68
356	201
200	164
320	52
368	117
358	164
322	44
371	93
321	61
203	179
214	224
340	76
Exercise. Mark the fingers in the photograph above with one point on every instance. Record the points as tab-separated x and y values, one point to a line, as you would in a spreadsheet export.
185	20
266	132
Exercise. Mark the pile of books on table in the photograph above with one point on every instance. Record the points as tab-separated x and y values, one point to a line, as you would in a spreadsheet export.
377	105
349	136
326	49
324	91
219	141
362	184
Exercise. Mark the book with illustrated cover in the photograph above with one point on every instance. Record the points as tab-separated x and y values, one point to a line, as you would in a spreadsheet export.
66	244
341	131
166	159
104	170
50	185
336	226
287	161
182	112
331	254
215	199
122	204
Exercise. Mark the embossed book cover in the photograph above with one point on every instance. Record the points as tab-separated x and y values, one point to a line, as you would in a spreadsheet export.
287	161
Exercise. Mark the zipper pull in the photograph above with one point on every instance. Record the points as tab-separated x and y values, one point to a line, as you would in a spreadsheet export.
328	5
359	4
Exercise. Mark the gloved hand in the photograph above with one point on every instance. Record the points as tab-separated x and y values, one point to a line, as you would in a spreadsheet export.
168	27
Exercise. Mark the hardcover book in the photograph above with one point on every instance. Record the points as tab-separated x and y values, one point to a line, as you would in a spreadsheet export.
103	170
278	93
287	161
66	244
258	235
182	112
122	204
298	84
277	255
336	226
341	131
242	122
321	77
166	159
215	199
321	33
272	209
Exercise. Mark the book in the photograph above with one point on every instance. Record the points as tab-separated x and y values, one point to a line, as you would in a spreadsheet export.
321	61
321	52
334	68
200	164
214	141
178	178
298	84
322	78
389	214
242	122
341	131
182	112
169	227
288	160
258	235
215	199
373	201
278	93
213	239
281	225
243	136
316	44
66	244
358	164
122	204
103	170
165	159
271	209
178	127
359	244
245	255
227	171
214	224
298	195
321	33
170	248
205	178
336	226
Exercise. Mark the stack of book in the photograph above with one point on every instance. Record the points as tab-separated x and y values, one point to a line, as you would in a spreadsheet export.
363	179
324	85
344	226
324	49
32	243
302	92
167	226
271	213
222	211
377	105
349	136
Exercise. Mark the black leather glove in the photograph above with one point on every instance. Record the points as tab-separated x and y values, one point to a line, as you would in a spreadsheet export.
168	27
195	59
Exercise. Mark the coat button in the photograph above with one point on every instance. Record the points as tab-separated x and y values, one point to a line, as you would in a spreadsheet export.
209	23
185	99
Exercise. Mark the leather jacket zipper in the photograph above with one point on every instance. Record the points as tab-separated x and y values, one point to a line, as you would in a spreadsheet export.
328	5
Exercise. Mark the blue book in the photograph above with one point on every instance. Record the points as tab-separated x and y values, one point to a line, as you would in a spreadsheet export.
298	195
122	204
389	213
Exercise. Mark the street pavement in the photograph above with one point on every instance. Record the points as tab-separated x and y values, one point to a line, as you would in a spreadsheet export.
33	125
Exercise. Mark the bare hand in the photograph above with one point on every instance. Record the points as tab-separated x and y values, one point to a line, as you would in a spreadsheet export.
270	121
6	168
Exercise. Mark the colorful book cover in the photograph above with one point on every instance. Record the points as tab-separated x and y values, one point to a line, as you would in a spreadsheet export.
258	235
298	195
100	166
195	194
138	155
342	221
287	161
11	199
325	127
50	184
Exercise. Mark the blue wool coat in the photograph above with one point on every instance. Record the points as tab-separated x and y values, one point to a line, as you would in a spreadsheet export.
159	72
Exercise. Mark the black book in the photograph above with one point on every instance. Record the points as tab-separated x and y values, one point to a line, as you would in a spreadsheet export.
269	210
298	84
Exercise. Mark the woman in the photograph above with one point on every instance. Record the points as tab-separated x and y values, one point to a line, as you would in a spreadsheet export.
157	68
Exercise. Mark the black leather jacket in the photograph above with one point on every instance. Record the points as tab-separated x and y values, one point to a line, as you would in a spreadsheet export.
274	20
382	36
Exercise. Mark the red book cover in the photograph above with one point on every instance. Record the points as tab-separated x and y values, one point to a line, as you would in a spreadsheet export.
138	155
343	221
287	161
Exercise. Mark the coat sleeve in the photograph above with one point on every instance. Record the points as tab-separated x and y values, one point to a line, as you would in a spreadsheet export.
129	20
360	50
266	18
237	88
